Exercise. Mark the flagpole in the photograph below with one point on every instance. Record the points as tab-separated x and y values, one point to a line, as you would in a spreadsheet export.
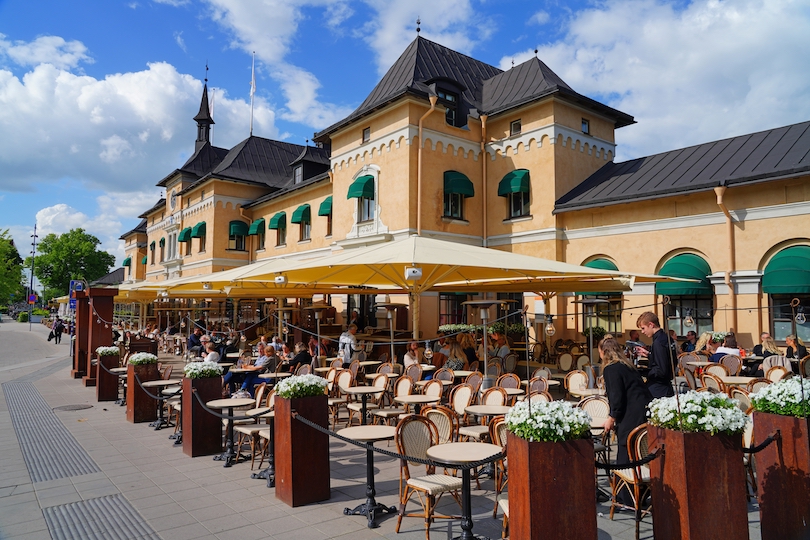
252	90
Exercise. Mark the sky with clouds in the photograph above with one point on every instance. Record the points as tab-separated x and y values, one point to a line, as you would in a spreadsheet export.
97	97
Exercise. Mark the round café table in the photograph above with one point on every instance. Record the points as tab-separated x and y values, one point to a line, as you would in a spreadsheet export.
735	380
275	375
462	453
487	410
417	400
363	392
229	456
462	373
550	382
161	422
369	434
587	392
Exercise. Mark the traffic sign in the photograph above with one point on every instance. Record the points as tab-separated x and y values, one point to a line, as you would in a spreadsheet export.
32	299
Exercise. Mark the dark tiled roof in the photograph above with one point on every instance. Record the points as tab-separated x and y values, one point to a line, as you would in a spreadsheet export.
287	189
141	228
756	157
202	162
258	160
158	205
204	116
312	154
116	277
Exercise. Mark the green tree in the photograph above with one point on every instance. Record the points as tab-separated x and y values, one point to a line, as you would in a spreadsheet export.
72	255
11	271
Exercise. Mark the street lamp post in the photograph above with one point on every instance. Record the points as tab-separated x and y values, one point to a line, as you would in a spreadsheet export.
31	286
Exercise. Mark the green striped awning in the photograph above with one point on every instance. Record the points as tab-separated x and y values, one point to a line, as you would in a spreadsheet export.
788	272
256	227
326	207
185	235
455	182
690	266
514	182
279	221
162	242
237	228
302	214
198	231
143	261
362	188
152	245
600	264
127	262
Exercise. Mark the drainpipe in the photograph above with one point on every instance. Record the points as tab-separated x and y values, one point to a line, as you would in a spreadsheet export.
732	255
484	176
433	100
250	248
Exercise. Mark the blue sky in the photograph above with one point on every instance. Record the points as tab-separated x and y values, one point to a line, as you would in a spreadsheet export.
97	96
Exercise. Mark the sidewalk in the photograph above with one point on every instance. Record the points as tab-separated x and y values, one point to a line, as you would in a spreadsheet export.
87	473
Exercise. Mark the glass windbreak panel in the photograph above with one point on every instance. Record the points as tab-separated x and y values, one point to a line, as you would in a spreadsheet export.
783	317
454	205
607	315
450	309
699	307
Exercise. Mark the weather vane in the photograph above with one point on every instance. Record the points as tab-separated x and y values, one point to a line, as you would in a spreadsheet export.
206	71
418	22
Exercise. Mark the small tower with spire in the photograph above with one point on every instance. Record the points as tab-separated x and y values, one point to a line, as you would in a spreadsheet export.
203	118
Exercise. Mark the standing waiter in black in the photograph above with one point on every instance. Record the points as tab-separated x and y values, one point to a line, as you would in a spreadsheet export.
661	355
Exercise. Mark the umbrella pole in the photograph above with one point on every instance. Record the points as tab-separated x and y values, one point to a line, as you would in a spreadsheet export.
414	298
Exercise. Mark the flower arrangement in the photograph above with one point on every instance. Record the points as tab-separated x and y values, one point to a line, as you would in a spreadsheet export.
699	411
142	359
107	351
457	328
299	386
788	397
202	370
556	421
718	336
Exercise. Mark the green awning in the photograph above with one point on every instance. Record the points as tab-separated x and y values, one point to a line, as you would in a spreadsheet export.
690	266
514	182
152	245
256	227
302	214
198	231
237	228
362	188
788	272
600	264
279	221
326	207
143	261
185	235
127	262
162	242
455	182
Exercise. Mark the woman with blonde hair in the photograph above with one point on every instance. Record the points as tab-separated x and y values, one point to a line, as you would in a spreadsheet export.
467	342
703	341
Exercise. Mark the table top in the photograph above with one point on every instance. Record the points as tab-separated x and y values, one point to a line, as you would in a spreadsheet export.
462	452
370	376
261	412
227	403
172	390
361	390
424	383
587	392
245	370
462	372
160	382
369	433
428	367
275	375
367	363
487	410
416	398
753	358
513	391
550	382
118	370
322	369
700	364
737	380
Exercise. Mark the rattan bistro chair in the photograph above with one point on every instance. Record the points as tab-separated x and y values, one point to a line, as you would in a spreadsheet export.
777	373
757	384
414	435
635	479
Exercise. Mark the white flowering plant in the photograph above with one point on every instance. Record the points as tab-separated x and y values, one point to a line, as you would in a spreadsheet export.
142	359
202	370
457	328
718	336
788	397
556	421
107	351
699	411
299	386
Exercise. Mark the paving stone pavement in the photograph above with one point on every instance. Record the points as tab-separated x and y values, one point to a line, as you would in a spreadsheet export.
140	486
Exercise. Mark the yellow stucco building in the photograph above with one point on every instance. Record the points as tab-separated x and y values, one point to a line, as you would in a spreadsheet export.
449	147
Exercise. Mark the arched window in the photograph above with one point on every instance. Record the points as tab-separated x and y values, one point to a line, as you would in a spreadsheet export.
688	301
787	276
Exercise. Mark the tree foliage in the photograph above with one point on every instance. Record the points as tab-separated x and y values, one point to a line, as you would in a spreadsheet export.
72	255
11	271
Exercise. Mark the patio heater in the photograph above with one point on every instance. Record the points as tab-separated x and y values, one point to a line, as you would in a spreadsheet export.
483	312
390	310
318	311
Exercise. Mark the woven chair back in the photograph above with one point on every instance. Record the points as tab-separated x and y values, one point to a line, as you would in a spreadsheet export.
510	362
804	367
336	363
344	379
583	361
718	370
414	435
304	369
576	380
732	362
538	384
689	375
444	374
508	380
542	372
777	373
540	397
445	420
497	430
566	361
741	395
354	367
433	388
461	398
473	365
383	357
387	367
403	386
414	371
474	379
711	382
685	358
494	396
596	406
757	384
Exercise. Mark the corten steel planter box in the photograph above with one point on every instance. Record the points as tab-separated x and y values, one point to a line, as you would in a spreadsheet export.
202	431
140	406
550	483
783	477
301	452
107	383
698	486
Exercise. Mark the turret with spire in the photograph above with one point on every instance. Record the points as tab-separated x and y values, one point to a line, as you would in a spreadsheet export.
204	120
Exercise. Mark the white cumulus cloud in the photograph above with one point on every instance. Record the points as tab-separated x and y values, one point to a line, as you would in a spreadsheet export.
44	50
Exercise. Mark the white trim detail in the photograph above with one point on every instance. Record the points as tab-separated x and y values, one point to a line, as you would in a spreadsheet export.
376	226
747	281
551	132
538	235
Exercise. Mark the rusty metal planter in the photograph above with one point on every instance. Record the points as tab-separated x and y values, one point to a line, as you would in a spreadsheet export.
698	486
549	485
202	431
107	383
783	477
141	407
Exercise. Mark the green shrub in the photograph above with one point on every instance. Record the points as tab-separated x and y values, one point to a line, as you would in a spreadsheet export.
22	317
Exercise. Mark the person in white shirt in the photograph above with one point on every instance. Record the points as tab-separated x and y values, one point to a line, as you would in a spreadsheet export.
412	356
211	349
348	345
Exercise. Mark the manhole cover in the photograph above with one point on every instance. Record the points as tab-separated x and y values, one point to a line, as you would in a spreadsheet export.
73	407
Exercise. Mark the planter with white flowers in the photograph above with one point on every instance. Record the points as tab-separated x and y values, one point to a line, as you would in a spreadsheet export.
141	407
106	382
551	471
301	451
202	431
783	467
698	483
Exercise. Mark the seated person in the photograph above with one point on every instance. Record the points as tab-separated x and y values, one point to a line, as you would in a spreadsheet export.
252	378
766	349
194	345
301	357
758	348
211	349
412	355
729	346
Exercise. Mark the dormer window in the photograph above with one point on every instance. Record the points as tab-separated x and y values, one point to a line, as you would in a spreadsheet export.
514	128
586	127
298	174
450	101
366	134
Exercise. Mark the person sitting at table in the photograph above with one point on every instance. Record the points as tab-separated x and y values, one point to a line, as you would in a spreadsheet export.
258	367
440	345
501	348
729	346
412	354
702	344
194	345
301	357
795	347
325	348
628	398
758	347
286	354
211	349
766	349
467	342
456	359
689	344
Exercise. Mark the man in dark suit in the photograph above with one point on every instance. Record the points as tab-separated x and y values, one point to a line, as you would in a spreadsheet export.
661	356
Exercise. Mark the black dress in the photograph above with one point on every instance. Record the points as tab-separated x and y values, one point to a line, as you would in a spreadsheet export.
628	397
662	355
